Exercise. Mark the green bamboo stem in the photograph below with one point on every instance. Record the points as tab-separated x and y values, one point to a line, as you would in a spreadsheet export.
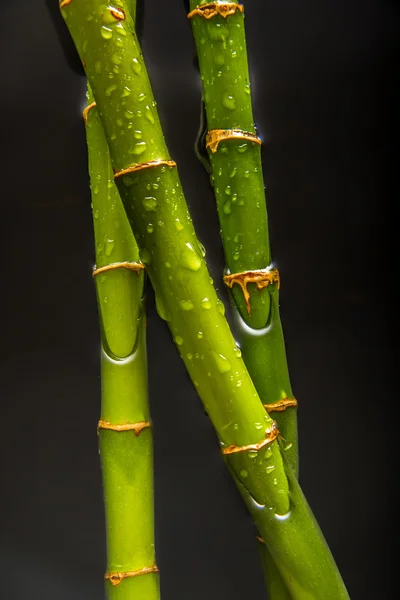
126	458
187	300
238	184
237	177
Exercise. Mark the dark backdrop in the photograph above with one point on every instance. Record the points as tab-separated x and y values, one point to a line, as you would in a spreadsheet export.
323	84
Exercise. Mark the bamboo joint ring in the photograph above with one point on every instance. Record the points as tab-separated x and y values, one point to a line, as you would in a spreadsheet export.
224	9
262	278
117	577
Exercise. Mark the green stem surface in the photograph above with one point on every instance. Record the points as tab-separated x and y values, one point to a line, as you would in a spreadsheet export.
237	178
238	184
158	214
126	459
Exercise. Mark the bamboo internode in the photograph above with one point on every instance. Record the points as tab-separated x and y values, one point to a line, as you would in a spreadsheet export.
215	136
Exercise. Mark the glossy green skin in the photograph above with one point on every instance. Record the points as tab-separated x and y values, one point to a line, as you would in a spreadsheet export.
158	213
236	173
126	459
238	183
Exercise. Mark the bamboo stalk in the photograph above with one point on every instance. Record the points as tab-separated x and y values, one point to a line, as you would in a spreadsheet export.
234	152
125	437
234	155
152	195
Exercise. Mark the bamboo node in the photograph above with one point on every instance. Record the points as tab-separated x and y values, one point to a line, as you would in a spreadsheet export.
145	165
215	136
281	405
270	436
212	9
117	577
135	427
262	278
85	113
131	266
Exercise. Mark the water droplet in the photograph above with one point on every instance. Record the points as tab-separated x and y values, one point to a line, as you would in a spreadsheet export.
200	335
243	474
247	88
247	174
259	426
149	115
223	364
242	148
187	305
178	225
106	33
228	190
128	114
127	92
236	255
189	356
141	97
95	190
270	469
228	101
219	59
236	426
179	340
150	228
111	88
206	303
288	446
227	208
221	307
233	172
138	134
136	66
105	300
139	148
252	454
190	259
109	247
150	203
168	265
237	237
275	482
116	58
96	214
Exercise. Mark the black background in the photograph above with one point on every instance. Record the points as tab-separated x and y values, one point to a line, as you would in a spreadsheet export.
323	75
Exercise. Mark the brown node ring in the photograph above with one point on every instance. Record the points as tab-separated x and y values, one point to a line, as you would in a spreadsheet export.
225	9
262	278
135	427
117	577
281	405
145	165
270	436
215	136
64	3
131	266
85	113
